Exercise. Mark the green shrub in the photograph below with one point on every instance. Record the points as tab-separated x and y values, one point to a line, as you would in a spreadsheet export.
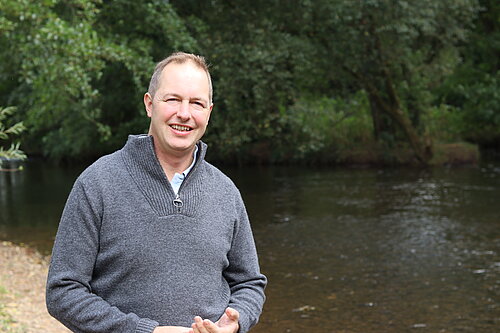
444	123
6	133
321	127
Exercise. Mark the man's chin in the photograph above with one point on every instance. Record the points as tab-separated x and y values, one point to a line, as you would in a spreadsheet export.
183	148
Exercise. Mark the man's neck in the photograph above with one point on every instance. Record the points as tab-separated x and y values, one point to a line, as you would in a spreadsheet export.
175	162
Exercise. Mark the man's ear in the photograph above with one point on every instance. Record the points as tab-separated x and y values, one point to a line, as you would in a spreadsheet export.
210	112
148	104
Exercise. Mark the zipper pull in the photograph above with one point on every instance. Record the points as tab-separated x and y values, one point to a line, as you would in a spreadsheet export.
178	202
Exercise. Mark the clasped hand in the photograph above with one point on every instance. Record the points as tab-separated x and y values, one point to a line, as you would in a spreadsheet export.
228	323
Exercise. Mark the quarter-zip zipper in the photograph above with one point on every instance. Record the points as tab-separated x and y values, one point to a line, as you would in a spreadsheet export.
177	202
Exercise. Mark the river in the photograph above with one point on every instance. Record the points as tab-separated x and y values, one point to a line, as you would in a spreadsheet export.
345	250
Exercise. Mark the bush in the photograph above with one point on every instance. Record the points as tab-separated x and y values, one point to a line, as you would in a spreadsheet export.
320	128
6	133
444	123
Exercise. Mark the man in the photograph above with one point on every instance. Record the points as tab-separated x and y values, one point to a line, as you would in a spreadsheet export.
153	238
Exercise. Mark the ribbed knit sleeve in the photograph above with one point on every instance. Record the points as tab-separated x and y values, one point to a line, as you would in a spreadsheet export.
243	273
69	293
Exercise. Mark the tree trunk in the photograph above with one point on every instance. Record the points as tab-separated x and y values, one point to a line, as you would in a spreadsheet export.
381	121
376	118
421	148
391	106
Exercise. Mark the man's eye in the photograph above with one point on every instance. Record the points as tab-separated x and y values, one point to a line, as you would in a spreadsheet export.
172	100
199	105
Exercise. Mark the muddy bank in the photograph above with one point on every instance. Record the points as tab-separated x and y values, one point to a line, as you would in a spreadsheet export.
23	273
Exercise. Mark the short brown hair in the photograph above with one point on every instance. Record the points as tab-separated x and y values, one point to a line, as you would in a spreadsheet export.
179	58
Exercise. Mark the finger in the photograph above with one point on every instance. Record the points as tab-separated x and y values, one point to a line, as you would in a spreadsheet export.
194	328
199	324
195	325
210	326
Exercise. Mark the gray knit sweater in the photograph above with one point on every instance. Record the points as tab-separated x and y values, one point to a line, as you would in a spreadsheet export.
127	258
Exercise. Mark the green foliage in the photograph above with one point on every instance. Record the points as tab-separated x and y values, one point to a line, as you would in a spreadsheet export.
66	51
325	125
481	109
474	88
6	133
396	50
444	123
313	73
255	55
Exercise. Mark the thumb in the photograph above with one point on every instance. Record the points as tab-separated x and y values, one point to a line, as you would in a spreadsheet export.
233	314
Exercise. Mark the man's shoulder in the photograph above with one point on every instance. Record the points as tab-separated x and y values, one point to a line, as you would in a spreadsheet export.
104	167
217	176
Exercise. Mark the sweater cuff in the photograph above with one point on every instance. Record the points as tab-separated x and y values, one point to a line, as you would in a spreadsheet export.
146	326
244	325
244	321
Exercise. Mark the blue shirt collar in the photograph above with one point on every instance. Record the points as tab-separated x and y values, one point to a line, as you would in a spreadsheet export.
178	178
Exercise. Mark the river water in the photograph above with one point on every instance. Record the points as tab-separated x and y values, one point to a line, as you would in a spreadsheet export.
345	250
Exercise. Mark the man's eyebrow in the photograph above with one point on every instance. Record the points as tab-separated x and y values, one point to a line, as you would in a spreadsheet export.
170	95
191	99
195	98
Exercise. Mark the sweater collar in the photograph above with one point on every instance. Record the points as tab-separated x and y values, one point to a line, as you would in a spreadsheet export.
145	169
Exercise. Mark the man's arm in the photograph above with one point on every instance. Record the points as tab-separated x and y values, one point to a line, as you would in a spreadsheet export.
172	329
243	274
69	294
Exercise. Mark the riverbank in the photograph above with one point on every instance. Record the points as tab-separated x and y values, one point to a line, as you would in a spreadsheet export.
451	154
365	154
23	273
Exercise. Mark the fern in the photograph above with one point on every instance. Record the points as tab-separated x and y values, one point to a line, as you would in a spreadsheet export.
13	152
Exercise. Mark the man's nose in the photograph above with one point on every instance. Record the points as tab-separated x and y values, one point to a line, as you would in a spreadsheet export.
184	111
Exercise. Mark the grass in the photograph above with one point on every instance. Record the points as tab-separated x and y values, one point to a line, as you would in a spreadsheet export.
459	153
7	323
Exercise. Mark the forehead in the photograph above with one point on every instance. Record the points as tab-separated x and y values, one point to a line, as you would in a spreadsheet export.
186	76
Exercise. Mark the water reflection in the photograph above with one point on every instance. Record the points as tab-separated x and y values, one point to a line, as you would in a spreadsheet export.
377	251
345	250
31	203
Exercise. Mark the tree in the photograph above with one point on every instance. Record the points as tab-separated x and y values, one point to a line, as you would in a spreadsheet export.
255	55
397	51
270	54
474	88
75	64
81	67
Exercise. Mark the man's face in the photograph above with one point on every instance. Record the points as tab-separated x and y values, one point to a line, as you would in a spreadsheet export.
180	109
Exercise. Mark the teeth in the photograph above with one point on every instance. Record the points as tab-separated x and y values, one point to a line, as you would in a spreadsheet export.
180	128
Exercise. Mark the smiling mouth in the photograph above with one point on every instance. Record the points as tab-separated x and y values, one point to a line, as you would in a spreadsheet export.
181	128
